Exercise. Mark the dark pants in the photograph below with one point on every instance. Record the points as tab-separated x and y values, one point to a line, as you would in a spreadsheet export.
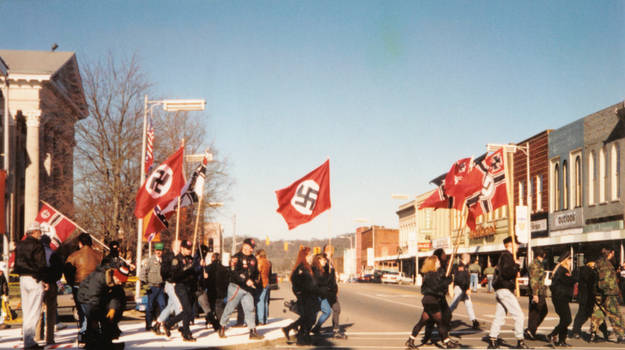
584	312
155	297
336	312
537	314
215	309
307	307
432	313
445	318
561	305
187	309
100	330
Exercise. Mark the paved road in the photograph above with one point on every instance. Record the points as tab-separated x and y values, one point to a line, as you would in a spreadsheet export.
377	316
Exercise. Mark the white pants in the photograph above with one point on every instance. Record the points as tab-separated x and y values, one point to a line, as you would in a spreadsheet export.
461	295
32	298
507	303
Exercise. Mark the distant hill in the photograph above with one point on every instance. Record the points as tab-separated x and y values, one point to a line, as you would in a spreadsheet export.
282	261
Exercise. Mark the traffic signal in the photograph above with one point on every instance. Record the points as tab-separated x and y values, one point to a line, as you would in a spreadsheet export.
317	250
286	246
267	241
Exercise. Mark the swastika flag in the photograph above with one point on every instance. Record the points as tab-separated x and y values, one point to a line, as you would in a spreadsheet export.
163	185
306	198
55	225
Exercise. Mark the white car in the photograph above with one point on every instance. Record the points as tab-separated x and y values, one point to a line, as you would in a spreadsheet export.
396	278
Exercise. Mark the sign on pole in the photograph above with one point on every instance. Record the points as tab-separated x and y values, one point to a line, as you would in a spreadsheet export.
522	226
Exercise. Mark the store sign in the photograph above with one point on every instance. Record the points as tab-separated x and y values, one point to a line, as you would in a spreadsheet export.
483	231
539	225
425	246
566	219
440	243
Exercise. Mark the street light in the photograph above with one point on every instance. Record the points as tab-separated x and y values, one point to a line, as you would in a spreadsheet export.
417	279
169	105
491	147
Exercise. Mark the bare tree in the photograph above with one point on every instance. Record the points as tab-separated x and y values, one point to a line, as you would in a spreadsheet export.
108	148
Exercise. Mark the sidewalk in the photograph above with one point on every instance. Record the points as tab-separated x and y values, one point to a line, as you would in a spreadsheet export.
135	337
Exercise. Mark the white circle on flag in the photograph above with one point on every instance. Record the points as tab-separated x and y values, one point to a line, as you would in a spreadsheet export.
488	187
159	182
305	198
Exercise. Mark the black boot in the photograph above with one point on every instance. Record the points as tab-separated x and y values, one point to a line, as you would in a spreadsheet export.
222	332
520	344
410	343
255	335
286	331
528	334
492	343
593	338
316	330
476	324
188	337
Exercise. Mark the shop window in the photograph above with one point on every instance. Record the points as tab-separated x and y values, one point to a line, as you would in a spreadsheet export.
556	187
539	193
578	182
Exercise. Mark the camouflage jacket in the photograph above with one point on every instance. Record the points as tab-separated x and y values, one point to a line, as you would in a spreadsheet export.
607	281
537	278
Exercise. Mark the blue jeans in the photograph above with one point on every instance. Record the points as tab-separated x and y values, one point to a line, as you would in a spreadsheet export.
490	283
173	304
326	311
155	296
474	281
82	320
238	295
262	306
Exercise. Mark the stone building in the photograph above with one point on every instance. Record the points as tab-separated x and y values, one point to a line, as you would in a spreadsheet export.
43	98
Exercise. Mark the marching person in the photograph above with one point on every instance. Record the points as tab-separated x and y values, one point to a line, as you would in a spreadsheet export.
587	290
264	269
434	288
4	298
606	303
173	306
537	294
307	294
507	303
30	265
151	276
78	266
184	277
561	295
101	307
216	279
333	292
54	271
461	289
242	286
475	270
321	278
446	312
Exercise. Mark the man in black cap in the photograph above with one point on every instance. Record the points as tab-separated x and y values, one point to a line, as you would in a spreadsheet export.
507	303
184	275
243	274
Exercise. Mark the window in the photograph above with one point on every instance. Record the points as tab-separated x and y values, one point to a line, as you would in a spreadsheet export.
530	190
556	187
539	192
578	182
602	175
565	186
520	192
615	165
592	177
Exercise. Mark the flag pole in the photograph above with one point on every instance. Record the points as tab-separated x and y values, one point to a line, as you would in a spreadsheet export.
179	195
197	223
508	166
463	225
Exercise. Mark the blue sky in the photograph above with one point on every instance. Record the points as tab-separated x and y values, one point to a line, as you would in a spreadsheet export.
391	91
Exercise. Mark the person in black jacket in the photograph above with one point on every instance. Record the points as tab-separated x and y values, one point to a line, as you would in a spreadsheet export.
333	292
30	265
434	288
587	277
216	279
307	294
183	274
562	285
54	270
504	283
443	258
321	278
100	307
462	292
243	277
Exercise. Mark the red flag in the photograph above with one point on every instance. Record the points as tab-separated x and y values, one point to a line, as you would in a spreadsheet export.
438	199
461	181
163	185
153	223
55	225
493	193
306	198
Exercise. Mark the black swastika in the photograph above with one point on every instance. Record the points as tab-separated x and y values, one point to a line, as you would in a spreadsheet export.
305	198
157	181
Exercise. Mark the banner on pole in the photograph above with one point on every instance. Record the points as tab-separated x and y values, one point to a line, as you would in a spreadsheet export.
522	226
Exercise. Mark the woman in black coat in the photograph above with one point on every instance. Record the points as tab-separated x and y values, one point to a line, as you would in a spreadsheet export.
323	280
307	294
434	288
562	285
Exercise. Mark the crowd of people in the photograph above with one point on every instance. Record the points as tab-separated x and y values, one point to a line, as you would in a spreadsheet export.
597	285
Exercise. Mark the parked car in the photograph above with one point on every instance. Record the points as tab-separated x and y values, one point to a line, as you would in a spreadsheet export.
395	278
